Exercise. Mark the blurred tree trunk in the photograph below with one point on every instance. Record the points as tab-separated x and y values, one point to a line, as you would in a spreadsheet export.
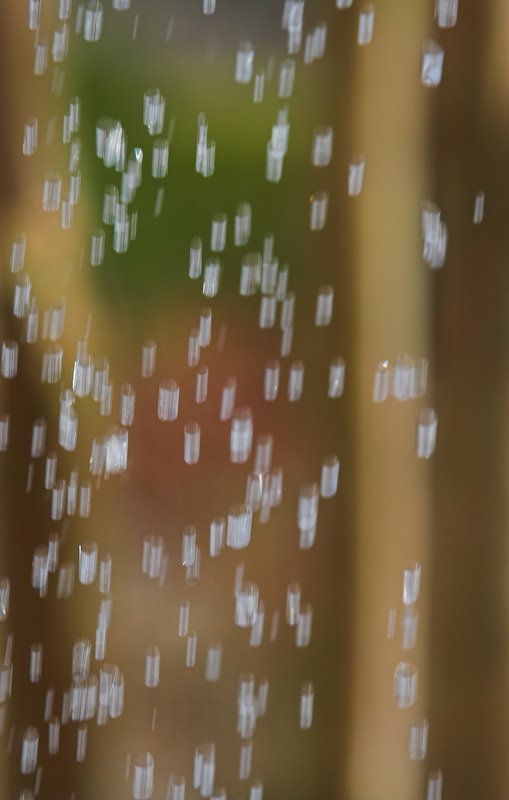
469	611
392	307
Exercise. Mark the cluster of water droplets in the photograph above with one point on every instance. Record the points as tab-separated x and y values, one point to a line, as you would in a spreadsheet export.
99	694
